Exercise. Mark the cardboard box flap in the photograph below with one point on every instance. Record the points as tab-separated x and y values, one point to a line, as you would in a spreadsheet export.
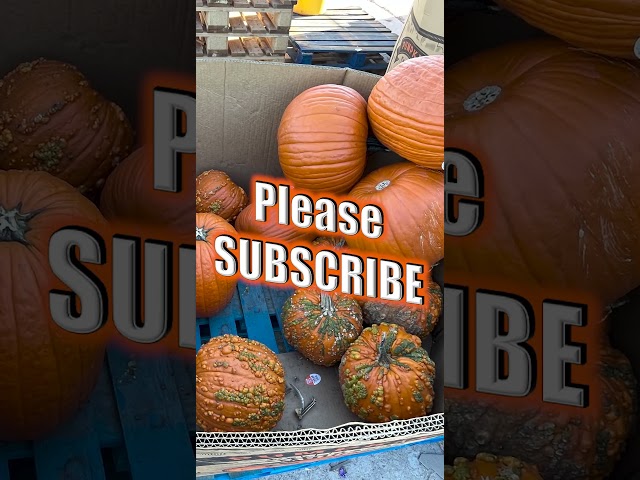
240	104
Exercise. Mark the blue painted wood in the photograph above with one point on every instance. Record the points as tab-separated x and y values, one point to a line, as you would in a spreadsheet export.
72	452
278	297
16	450
225	321
4	468
106	420
184	373
256	315
155	432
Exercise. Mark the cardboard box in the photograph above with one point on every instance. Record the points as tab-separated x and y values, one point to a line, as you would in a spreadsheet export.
423	33
239	106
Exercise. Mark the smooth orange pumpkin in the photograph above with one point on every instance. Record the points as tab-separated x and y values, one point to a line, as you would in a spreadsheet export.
216	193
47	372
560	173
412	200
129	197
52	120
239	386
247	223
406	110
608	27
386	375
321	325
322	139
213	291
490	467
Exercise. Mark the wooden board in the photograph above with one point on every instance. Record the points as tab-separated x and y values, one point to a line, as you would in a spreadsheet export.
254	23
342	36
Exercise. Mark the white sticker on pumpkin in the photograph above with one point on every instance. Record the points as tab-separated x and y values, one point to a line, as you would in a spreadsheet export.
313	379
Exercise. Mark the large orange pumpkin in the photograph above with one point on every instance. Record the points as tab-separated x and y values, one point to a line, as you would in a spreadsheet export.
239	386
271	228
47	372
412	200
213	291
608	27
560	173
406	110
216	193
322	139
52	120
321	325
490	467
386	375
129	197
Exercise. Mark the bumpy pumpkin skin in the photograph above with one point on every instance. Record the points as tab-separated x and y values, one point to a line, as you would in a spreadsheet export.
322	139
561	233
417	320
51	120
213	291
247	223
607	27
386	375
321	326
412	200
239	386
562	447
47	372
490	467
406	110
216	193
129	197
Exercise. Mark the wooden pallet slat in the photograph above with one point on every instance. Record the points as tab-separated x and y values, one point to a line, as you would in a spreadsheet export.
254	24
252	46
4	468
184	374
256	315
106	419
347	47
225	321
154	428
342	36
278	297
336	28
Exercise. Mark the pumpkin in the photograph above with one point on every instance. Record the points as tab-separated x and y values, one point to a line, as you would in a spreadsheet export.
52	120
47	372
417	320
406	110
321	325
563	445
271	229
128	196
213	291
216	193
240	386
322	139
608	27
335	243
579	231
386	375
412	200
490	467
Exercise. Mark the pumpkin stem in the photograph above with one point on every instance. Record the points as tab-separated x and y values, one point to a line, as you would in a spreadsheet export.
14	224
483	97
382	185
327	305
202	234
384	358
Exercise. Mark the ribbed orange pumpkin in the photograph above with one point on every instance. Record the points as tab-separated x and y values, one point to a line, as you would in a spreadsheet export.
216	193
412	200
213	291
47	372
490	467
608	27
417	320
247	223
128	196
331	243
322	139
386	375
52	120
239	386
406	110
321	325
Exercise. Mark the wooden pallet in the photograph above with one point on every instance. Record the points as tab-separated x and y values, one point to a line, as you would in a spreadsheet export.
236	4
254	312
265	19
139	423
347	37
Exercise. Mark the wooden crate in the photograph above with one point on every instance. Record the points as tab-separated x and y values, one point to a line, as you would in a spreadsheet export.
139	423
264	18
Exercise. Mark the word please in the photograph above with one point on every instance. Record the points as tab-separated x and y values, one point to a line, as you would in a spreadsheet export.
256	260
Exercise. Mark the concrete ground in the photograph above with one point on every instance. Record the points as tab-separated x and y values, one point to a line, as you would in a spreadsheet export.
417	462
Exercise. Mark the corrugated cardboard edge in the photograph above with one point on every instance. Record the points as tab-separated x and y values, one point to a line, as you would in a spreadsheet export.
236	101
